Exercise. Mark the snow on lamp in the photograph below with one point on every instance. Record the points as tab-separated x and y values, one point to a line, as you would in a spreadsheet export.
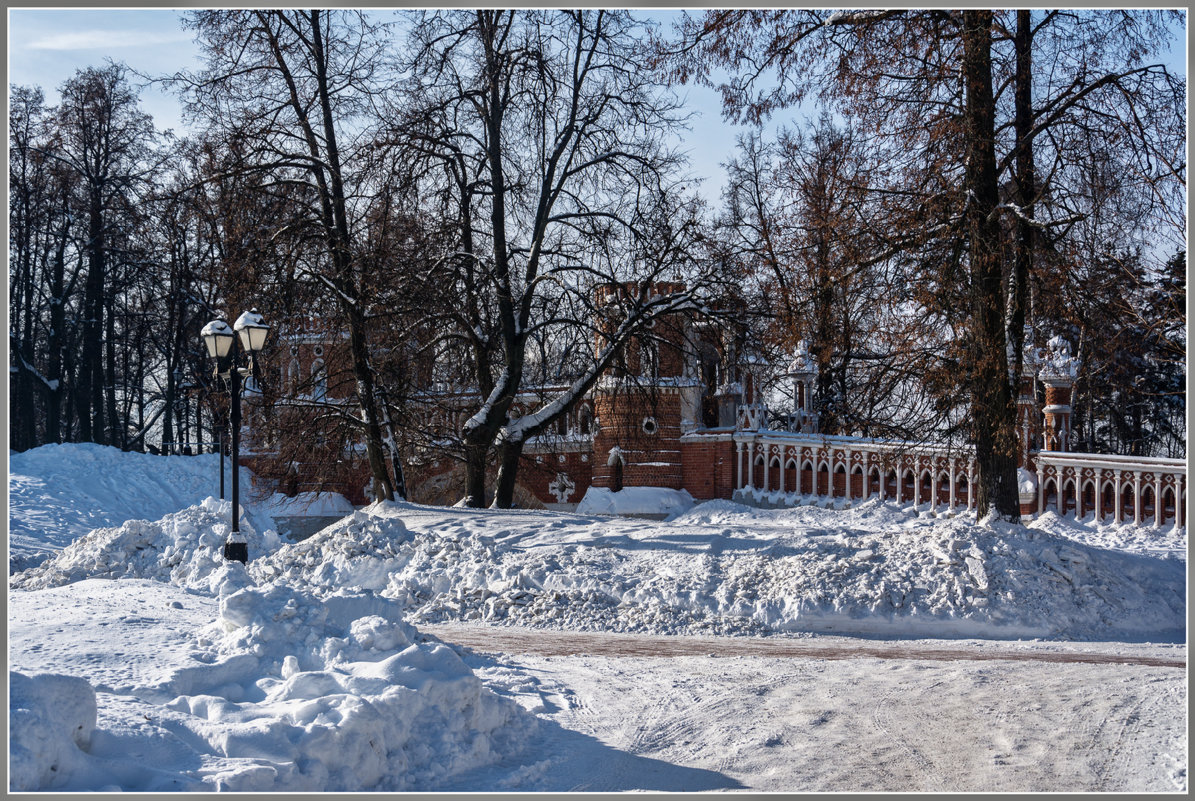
252	330
217	336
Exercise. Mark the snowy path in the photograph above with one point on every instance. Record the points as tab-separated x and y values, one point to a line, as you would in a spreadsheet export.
827	723
509	639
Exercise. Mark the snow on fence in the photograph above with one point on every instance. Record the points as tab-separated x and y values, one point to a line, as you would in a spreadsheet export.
779	466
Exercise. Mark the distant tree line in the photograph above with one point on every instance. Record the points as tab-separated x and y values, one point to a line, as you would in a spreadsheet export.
448	188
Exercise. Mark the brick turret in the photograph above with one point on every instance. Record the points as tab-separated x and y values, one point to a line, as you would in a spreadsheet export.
1058	372
803	372
1028	416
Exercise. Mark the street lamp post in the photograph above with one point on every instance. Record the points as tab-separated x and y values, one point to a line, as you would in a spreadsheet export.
221	345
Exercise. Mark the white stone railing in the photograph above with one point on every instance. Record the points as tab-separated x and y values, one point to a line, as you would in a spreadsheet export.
780	466
1119	487
783	464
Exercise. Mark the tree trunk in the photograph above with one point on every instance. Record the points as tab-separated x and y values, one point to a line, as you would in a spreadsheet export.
509	454
993	414
383	485
1026	185
91	368
54	342
475	464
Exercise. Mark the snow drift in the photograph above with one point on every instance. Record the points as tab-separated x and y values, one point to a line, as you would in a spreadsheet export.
726	568
283	691
58	493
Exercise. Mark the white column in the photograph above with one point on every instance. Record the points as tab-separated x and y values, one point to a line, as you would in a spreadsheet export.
739	478
751	465
767	465
1116	515
846	490
783	456
1041	490
1136	497
1078	493
970	486
952	468
900	483
1158	500
816	467
933	487
917	483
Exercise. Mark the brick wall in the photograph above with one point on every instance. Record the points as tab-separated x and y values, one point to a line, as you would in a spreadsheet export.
708	467
650	458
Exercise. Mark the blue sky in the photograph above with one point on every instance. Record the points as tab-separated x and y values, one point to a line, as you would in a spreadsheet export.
45	48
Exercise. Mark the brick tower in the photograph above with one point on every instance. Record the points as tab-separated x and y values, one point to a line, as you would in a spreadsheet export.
638	403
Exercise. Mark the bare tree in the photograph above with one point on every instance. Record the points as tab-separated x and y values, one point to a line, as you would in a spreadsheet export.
296	88
552	134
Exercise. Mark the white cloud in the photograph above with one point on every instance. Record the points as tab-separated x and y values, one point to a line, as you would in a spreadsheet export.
95	39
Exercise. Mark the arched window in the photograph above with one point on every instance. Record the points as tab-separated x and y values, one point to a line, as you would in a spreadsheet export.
319	380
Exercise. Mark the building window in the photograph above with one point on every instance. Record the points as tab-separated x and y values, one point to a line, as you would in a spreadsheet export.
649	425
319	380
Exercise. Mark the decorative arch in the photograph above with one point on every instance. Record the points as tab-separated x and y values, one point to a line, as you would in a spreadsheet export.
925	486
775	475
874	478
1127	500
840	481
1107	500
1148	503
792	476
1167	509
1089	499
1049	493
806	480
319	380
617	463
1066	499
824	479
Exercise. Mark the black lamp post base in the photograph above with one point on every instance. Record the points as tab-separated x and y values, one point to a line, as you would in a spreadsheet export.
237	552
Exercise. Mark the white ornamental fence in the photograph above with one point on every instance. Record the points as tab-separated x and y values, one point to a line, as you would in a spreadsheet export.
780	466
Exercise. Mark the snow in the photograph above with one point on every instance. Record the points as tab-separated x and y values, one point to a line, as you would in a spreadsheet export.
140	660
307	504
634	501
1026	484
216	328
249	319
58	493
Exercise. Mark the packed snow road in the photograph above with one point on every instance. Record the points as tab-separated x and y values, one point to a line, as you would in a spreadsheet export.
506	639
993	719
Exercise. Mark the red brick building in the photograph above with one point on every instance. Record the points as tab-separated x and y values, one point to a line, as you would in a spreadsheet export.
680	410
